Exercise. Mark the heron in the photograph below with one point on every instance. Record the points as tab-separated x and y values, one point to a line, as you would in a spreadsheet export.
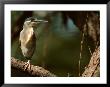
28	38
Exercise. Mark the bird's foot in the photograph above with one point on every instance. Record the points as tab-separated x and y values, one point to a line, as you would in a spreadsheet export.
27	65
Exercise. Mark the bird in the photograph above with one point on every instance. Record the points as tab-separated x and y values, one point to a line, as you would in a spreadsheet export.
27	38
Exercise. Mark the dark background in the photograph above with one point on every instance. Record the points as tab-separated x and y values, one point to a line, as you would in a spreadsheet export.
58	42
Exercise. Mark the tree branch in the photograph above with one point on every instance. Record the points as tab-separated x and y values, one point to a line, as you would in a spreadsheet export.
34	71
93	68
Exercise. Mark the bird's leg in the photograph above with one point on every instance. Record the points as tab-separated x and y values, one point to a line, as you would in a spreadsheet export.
27	65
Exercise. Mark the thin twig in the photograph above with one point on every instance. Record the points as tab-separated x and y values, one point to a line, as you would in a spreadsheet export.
81	53
90	50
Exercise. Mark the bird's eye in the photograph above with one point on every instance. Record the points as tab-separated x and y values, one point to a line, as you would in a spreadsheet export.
32	20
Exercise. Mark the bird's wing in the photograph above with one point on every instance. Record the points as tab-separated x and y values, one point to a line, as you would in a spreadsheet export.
31	45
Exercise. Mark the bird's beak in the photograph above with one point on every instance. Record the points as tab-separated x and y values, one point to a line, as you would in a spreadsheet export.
40	21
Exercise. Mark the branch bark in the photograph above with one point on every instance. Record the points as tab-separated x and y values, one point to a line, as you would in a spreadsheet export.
34	71
93	68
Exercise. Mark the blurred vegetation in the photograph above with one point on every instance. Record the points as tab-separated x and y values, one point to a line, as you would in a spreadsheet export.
57	45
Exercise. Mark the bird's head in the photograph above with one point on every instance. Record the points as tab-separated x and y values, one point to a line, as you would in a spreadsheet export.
32	22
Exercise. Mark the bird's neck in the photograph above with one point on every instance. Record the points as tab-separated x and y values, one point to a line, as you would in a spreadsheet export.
28	29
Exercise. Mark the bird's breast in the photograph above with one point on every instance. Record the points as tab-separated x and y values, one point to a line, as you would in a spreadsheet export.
25	36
